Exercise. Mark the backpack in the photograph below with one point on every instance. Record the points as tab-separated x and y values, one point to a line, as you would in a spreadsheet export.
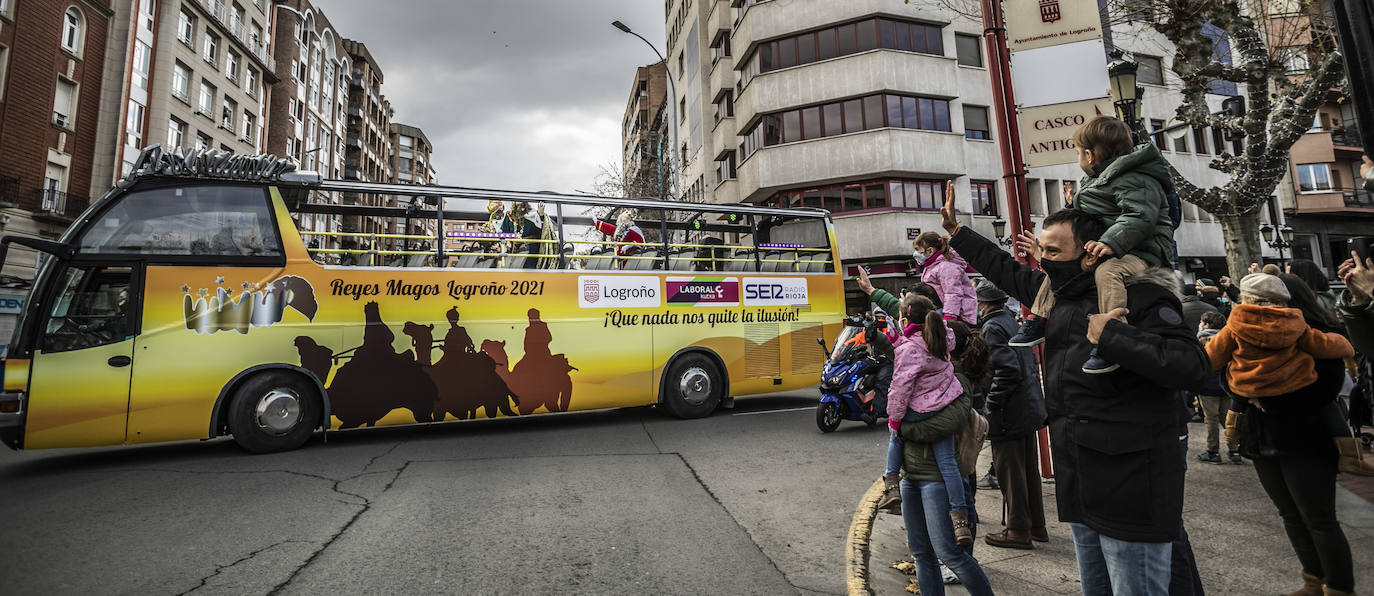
1175	207
969	441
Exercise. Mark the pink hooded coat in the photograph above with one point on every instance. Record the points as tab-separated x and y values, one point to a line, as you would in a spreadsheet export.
920	381
950	279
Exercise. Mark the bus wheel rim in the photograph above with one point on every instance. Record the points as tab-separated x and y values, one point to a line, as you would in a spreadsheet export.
695	386
277	412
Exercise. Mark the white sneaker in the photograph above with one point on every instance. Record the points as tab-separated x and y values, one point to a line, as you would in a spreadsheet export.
947	575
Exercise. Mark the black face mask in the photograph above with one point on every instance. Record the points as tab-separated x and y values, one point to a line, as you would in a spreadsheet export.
1062	272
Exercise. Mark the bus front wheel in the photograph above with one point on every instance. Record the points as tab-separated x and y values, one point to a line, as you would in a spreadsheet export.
273	411
693	387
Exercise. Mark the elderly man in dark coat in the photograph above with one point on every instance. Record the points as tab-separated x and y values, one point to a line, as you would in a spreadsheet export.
1015	411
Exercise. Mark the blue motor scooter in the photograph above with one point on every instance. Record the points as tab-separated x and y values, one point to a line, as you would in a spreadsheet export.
849	378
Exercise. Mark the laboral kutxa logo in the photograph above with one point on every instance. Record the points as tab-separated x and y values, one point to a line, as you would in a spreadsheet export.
703	291
775	291
619	291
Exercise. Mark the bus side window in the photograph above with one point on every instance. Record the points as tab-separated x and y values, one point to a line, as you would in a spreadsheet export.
93	309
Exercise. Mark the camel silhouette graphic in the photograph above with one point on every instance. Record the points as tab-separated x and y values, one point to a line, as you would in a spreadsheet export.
463	382
540	378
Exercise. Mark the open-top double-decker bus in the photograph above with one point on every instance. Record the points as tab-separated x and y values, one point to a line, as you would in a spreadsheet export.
210	294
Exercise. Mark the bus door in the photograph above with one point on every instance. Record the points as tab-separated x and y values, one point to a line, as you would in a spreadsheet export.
83	357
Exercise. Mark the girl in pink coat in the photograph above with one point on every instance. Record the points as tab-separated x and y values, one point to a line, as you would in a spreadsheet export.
923	383
945	271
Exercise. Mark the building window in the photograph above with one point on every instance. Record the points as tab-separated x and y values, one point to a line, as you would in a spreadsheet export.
231	66
186	29
1150	71
147	9
725	167
1294	59
202	141
226	117
1314	178
1157	134
64	104
969	48
4	67
71	31
176	133
882	193
976	123
142	60
133	125
854	115
1181	143
6	8
181	82
250	84
211	49
207	100
1200	141
842	40
249	127
984	198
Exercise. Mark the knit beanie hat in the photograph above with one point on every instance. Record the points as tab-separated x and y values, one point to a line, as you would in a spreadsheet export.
1265	287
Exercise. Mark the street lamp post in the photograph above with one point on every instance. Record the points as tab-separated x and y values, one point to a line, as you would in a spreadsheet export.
1125	93
1280	238
999	229
672	105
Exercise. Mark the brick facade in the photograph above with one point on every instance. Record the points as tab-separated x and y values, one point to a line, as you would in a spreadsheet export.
32	36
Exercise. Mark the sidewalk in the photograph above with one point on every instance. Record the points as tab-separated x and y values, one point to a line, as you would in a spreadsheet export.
1235	531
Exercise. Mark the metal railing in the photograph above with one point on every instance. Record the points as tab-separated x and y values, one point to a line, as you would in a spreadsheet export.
1345	137
222	12
1358	198
60	204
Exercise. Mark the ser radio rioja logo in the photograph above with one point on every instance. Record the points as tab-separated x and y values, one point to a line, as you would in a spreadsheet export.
619	291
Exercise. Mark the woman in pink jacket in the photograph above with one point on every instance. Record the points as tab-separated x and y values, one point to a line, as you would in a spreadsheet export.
945	271
923	383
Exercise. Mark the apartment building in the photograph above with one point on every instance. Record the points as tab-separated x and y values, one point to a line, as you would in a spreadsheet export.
868	108
191	73
646	165
51	54
410	160
410	154
308	109
367	146
1322	195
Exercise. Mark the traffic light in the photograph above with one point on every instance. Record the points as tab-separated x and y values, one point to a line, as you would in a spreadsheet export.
1233	106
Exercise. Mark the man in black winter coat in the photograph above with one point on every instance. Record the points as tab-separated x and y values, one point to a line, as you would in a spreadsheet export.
1194	307
1114	436
1015	411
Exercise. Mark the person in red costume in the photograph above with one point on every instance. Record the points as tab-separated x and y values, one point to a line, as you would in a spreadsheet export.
627	235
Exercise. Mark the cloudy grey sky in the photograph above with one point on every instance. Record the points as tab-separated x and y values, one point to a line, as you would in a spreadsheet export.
514	94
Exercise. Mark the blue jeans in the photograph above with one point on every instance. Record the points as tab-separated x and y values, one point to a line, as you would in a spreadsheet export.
930	534
1119	568
944	458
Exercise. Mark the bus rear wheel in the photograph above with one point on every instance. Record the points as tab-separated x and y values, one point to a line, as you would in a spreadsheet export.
693	387
273	411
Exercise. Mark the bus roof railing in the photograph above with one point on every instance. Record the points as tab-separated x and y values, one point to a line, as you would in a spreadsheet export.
153	163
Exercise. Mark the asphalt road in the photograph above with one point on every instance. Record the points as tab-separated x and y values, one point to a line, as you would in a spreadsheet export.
750	501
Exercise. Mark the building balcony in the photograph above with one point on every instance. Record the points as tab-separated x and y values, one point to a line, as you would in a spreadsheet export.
875	71
1347	139
723	78
719	23
1338	201
856	156
769	20
723	137
239	32
58	207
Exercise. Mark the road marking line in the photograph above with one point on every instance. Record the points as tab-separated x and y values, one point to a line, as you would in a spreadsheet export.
774	411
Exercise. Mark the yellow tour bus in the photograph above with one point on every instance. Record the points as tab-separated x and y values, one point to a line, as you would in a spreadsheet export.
209	294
